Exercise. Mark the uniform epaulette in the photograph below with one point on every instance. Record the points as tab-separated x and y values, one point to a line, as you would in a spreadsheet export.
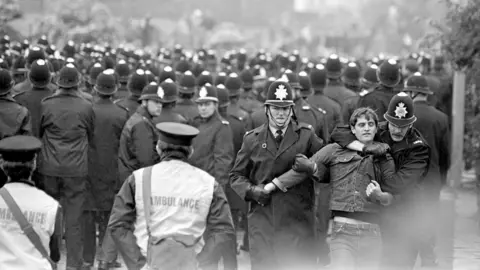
306	108
225	122
249	132
49	97
305	126
236	117
364	92
121	107
322	111
418	142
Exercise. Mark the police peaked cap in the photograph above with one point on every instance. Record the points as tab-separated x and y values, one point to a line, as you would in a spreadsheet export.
19	148
176	133
279	94
400	110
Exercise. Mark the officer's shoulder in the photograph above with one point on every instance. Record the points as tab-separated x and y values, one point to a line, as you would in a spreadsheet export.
363	93
235	117
19	94
254	132
50	98
304	126
417	140
223	121
306	107
322	111
123	108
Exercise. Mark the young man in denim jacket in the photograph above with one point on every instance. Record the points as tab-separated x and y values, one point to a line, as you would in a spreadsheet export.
356	241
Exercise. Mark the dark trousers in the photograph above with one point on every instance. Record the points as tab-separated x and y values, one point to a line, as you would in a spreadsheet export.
90	221
322	221
70	192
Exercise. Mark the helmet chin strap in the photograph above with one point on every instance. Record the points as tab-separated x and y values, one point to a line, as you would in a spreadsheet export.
278	125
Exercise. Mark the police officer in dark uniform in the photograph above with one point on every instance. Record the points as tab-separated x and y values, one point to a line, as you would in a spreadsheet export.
186	90
169	102
66	130
213	147
281	226
335	88
234	84
122	71
93	73
389	77
401	223
318	79
102	164
353	83
434	127
18	154
39	77
136	83
15	119
248	98
139	135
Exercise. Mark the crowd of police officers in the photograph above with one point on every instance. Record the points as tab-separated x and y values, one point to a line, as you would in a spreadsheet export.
95	109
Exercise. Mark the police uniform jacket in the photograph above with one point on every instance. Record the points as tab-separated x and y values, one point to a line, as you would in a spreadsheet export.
122	92
32	100
185	201
249	102
412	158
103	155
137	143
288	220
242	115
169	115
258	118
15	119
238	131
213	147
187	108
333	109
45	216
378	100
27	85
433	125
336	91
66	129
130	103
313	116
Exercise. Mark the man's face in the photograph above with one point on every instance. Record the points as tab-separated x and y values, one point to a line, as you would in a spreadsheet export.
207	108
365	129
154	107
280	116
398	133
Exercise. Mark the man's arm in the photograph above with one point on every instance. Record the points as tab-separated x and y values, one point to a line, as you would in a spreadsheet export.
56	238
239	174
121	225
292	178
26	126
409	173
143	144
223	154
221	235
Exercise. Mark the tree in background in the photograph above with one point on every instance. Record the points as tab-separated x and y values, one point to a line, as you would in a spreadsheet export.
459	38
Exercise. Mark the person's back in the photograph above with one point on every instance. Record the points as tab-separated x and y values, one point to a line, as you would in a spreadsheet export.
66	129
16	250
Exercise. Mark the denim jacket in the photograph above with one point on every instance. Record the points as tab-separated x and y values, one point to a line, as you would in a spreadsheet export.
349	174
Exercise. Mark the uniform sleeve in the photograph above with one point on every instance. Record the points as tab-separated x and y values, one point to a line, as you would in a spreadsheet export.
56	238
121	225
239	174
221	232
91	125
223	154
292	178
342	135
409	173
26	126
143	144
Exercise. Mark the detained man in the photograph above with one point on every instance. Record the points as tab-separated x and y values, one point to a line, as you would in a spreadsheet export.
356	238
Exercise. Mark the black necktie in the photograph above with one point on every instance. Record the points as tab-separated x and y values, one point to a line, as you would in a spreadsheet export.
279	137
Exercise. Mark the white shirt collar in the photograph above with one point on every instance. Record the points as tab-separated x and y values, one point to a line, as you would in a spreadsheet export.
274	130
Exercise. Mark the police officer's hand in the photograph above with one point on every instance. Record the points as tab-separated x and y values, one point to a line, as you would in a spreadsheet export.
376	149
258	194
304	165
